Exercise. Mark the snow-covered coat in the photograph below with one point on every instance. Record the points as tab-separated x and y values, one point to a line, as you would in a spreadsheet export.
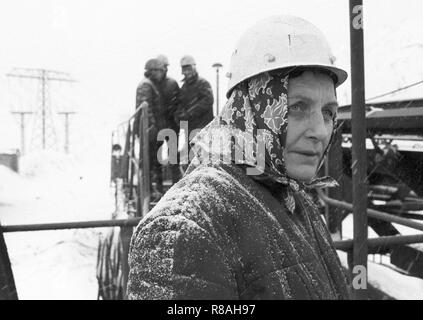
218	234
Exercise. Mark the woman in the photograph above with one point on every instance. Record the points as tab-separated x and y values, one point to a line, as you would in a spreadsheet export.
241	224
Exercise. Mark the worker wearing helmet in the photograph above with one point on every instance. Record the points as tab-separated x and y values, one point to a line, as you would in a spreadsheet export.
148	91
196	105
170	93
241	224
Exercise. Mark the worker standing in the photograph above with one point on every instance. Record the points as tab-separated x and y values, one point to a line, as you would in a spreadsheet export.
147	91
170	93
196	98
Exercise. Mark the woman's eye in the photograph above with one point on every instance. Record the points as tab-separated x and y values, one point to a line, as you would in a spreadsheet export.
295	107
328	114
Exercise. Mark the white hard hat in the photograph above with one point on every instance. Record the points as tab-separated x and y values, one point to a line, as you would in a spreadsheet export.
163	59
281	42
154	64
187	60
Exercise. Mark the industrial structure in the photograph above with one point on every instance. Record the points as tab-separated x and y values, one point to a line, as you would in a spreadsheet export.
44	135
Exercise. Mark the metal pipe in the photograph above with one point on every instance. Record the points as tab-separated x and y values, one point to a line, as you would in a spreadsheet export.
344	245
334	169
137	110
144	182
358	124
125	236
376	244
7	281
217	65
71	225
373	213
217	90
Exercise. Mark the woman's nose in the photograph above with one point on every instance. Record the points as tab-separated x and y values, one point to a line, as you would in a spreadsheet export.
317	128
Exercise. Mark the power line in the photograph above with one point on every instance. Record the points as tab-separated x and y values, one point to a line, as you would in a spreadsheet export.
22	124
394	91
66	114
43	113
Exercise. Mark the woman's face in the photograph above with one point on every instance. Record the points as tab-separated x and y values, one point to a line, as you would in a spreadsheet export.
311	107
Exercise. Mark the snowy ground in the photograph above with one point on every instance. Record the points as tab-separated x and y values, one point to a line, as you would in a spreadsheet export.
380	272
53	187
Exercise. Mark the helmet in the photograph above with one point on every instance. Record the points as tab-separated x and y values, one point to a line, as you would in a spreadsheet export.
154	64
163	59
187	61
281	42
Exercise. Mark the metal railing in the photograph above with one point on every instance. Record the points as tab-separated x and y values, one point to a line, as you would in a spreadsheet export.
136	166
131	222
374	245
381	242
373	213
8	288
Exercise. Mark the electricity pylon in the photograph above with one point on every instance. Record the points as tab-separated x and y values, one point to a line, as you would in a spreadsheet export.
44	133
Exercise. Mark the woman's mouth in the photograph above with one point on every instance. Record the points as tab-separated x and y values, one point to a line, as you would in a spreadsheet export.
305	157
307	153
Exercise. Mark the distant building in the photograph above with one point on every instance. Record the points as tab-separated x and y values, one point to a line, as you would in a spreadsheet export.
10	159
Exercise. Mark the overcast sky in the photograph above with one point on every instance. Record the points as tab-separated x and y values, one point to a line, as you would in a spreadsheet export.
104	45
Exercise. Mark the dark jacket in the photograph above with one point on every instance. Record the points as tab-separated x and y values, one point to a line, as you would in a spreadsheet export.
148	92
218	234
196	103
170	93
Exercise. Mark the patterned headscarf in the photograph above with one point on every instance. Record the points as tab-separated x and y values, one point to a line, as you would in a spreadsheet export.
256	116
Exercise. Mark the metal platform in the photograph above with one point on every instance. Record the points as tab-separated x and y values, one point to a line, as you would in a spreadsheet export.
402	117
